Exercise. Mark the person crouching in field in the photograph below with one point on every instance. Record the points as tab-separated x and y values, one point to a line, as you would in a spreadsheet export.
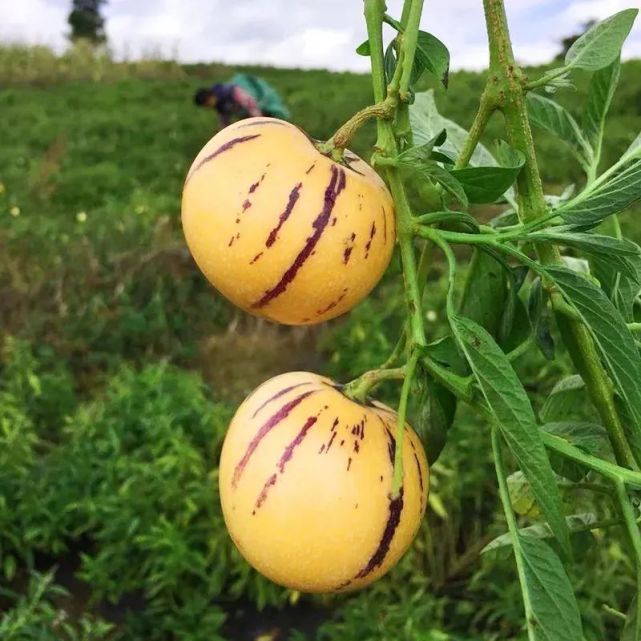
243	96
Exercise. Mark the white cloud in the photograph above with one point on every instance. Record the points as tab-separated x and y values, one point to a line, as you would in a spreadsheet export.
34	22
305	33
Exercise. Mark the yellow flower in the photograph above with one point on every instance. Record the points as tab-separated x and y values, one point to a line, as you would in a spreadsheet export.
81	216
15	211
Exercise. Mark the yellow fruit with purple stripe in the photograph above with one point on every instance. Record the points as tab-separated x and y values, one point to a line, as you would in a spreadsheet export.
282	230
305	485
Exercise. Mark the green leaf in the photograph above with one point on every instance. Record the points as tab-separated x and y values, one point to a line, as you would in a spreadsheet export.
427	122
613	339
551	116
487	184
600	93
433	55
521	496
589	437
540	321
618	254
485	293
390	61
445	352
568	401
552	601
601	45
634	150
603	199
363	49
576	522
514	327
422	153
514	416
430	412
622	288
445	178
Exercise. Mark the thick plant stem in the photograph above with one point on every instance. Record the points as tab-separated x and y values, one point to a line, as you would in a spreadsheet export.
388	146
508	82
374	12
410	39
405	233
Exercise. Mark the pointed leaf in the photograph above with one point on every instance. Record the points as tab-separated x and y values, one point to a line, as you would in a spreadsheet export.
568	401
363	49
513	412
596	203
485	292
487	184
551	116
554	606
618	254
445	178
613	339
576	522
601	45
427	122
600	93
540	321
433	55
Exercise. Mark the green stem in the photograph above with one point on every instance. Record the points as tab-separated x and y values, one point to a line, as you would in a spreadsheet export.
512	525
487	106
521	349
397	351
635	541
405	235
400	423
409	41
545	78
359	388
406	12
508	78
609	470
374	12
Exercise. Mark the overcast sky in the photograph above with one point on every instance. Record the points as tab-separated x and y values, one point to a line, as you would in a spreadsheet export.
304	33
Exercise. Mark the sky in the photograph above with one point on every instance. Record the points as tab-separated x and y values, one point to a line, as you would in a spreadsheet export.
304	33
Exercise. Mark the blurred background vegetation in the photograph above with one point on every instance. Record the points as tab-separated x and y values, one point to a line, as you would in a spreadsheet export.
120	368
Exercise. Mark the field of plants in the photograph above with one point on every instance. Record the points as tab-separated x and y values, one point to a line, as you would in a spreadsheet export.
120	369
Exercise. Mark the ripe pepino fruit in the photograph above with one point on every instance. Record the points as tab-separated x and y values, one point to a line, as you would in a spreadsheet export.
282	230
305	485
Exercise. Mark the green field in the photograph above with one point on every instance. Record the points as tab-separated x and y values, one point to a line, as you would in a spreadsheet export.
120	368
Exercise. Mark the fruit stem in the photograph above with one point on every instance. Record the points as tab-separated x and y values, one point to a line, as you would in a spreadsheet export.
397	482
335	146
359	388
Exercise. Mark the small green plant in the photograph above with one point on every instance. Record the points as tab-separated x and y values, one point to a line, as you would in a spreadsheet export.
35	616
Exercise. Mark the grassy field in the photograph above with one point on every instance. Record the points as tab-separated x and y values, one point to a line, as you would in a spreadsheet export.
120	368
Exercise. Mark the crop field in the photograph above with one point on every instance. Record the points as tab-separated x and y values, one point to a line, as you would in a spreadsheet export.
120	368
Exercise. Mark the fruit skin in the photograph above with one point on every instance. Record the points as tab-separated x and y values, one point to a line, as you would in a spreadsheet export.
305	479
280	229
